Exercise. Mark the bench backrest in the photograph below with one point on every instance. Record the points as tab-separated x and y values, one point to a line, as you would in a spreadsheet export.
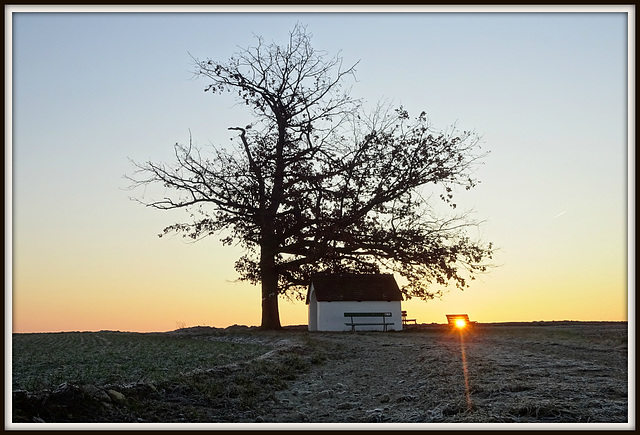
451	318
367	314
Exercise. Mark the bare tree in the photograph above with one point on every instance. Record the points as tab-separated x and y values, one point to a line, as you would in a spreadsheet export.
312	184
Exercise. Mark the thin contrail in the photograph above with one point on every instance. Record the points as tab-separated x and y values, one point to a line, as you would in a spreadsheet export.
559	214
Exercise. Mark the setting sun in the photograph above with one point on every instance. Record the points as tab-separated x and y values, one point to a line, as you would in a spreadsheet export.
460	323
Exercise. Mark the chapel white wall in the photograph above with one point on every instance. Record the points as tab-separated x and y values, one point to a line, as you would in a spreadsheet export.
330	315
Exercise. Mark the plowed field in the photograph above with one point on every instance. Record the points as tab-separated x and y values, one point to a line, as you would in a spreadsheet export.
494	373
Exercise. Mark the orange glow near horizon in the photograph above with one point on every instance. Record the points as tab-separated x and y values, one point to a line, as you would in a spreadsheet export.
92	289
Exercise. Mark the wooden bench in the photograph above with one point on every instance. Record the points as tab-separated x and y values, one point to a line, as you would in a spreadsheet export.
383	316
453	318
406	321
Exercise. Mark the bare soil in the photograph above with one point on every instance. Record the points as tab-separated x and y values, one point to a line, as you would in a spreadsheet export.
530	373
553	372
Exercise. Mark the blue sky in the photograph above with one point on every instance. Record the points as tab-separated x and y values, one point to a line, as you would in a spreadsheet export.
547	91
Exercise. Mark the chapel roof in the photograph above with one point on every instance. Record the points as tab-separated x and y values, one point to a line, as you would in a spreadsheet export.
354	287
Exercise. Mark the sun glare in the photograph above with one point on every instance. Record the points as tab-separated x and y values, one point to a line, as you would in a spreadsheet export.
460	323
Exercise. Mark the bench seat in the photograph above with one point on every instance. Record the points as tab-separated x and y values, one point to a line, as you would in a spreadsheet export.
382	315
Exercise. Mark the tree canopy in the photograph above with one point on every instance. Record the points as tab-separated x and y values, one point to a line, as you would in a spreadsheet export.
315	183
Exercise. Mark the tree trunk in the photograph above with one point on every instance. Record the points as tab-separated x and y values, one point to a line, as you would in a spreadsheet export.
270	313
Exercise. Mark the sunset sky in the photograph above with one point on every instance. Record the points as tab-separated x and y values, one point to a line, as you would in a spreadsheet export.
548	92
